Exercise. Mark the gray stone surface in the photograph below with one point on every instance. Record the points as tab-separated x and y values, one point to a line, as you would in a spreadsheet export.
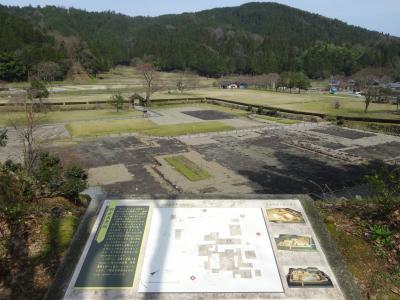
272	159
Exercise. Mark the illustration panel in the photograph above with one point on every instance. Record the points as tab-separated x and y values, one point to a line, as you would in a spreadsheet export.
209	250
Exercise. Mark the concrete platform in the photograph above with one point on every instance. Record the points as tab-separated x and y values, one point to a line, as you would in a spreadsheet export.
210	248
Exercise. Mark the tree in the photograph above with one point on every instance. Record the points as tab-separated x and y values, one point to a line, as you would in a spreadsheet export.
151	80
11	69
292	80
48	71
301	81
117	100
186	80
38	90
370	93
27	137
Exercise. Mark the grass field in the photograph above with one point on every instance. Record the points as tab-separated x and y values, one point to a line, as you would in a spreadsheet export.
320	103
128	80
18	118
146	127
187	168
104	127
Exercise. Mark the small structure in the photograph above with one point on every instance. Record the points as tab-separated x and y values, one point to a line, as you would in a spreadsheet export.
135	96
395	86
233	85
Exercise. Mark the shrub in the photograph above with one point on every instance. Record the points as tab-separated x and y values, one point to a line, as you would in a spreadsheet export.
10	166
339	121
382	234
386	185
16	193
75	181
272	112
48	171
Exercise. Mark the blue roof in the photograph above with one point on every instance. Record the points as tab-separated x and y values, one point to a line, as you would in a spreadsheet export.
394	85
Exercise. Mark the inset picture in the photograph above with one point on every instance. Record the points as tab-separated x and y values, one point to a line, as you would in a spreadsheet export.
284	215
308	277
292	242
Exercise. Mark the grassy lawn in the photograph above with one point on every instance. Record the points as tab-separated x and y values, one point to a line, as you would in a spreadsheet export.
348	107
388	128
146	127
277	120
320	103
187	168
183	129
104	127
6	118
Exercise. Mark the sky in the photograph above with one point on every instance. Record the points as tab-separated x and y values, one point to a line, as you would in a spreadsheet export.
382	16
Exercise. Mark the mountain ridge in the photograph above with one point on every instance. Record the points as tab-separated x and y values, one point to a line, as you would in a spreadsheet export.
254	38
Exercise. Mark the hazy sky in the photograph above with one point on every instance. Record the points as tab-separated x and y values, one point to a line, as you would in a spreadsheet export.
383	15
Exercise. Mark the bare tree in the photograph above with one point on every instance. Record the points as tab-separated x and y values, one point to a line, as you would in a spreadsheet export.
48	71
27	137
370	93
151	80
186	81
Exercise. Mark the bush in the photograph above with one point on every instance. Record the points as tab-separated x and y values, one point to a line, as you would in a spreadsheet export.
382	234
339	121
16	192
10	166
386	184
272	112
75	181
48	171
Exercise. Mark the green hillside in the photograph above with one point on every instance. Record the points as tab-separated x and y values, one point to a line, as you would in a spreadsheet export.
253	38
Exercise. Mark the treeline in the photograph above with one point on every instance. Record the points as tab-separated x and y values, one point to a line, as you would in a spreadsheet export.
255	38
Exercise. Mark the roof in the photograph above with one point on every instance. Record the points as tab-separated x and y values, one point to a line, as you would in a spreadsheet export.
394	85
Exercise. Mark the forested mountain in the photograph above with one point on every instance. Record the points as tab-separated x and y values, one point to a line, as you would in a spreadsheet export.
252	38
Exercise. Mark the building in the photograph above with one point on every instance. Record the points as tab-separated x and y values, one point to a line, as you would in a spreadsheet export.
395	86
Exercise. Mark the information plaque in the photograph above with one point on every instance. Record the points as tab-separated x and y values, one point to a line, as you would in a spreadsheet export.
112	258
